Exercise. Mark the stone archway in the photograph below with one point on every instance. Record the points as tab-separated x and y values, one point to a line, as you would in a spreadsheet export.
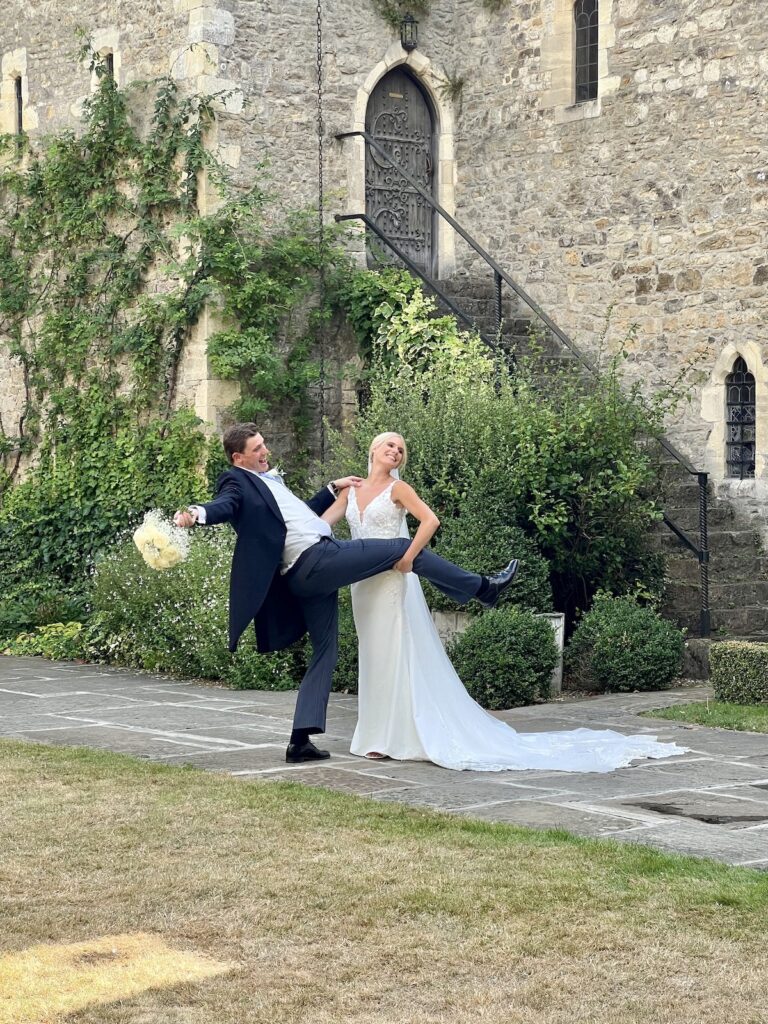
445	169
713	412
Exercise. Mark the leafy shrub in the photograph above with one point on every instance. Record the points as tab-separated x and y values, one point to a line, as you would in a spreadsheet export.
620	646
176	621
345	675
80	495
505	658
363	295
59	641
564	459
467	541
738	671
42	602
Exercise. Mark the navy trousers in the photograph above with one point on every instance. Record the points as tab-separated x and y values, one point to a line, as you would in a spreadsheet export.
315	580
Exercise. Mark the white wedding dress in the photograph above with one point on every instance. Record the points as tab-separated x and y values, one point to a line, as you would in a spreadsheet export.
413	706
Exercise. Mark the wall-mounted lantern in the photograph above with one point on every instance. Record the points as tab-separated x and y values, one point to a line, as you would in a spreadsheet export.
409	33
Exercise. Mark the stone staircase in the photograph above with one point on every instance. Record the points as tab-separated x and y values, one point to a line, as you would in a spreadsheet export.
738	566
475	297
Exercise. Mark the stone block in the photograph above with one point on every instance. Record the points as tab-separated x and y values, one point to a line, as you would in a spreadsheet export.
211	25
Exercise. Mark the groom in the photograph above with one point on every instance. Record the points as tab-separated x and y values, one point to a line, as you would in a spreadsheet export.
287	568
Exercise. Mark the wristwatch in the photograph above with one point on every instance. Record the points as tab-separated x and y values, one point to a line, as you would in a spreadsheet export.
333	489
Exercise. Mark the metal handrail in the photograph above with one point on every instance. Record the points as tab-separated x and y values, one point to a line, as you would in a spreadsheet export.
416	269
500	275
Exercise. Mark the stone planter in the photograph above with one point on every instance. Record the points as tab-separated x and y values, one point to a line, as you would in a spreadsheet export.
449	624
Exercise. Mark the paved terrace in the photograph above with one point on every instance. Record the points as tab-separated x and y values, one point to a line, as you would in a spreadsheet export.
712	801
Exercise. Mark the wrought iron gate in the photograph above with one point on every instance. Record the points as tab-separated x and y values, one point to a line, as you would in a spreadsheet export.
400	119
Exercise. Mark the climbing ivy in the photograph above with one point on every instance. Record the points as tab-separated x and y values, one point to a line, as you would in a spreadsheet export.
267	287
105	265
393	11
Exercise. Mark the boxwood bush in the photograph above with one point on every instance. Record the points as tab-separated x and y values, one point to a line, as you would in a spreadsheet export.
738	671
505	658
620	646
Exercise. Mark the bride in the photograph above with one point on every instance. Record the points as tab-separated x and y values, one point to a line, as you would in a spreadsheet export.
411	703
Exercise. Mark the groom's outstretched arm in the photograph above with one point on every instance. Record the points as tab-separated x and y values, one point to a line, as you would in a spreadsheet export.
224	508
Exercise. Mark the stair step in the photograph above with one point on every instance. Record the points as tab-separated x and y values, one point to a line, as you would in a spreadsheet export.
741	621
684	568
747	594
752	638
687	516
719	541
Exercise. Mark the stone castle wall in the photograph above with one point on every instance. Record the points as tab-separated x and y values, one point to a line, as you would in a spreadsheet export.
647	206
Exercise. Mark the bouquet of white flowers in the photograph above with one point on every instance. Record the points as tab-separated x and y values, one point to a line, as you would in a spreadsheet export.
161	544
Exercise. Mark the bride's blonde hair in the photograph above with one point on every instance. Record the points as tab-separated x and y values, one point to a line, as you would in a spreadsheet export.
388	435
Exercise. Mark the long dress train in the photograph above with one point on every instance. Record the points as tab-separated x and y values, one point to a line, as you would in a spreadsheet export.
412	704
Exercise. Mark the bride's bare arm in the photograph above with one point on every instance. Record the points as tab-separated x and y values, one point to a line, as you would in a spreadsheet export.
405	495
336	511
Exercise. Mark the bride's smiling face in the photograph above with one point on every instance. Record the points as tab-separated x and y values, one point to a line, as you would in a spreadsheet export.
389	454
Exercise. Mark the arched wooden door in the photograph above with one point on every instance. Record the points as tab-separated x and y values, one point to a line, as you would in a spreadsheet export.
399	117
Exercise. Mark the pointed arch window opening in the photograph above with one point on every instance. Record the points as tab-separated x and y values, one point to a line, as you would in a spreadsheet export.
585	13
740	422
19	104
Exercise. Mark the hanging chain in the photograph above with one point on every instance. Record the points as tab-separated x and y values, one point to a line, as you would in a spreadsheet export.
320	225
320	123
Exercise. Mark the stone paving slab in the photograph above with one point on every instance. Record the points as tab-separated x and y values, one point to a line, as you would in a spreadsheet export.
534	814
121	741
731	810
748	849
244	733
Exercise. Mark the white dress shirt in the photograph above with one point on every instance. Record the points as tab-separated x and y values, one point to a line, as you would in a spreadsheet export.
303	527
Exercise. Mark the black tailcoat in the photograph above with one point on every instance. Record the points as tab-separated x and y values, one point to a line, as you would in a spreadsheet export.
257	591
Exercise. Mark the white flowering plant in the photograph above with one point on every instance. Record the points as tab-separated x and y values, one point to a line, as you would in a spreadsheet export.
176	622
161	544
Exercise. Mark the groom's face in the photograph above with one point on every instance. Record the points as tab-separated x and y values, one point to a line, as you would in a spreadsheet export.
255	455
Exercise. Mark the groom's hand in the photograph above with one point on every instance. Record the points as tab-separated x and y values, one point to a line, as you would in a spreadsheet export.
404	565
186	518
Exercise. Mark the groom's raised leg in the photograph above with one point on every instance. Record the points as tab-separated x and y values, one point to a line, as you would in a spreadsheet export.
332	564
458	584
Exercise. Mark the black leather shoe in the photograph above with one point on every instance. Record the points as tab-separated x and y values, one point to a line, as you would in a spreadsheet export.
298	752
497	584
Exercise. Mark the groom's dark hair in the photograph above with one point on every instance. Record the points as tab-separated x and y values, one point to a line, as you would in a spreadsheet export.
235	437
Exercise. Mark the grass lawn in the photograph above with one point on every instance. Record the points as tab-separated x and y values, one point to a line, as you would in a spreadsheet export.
171	896
719	714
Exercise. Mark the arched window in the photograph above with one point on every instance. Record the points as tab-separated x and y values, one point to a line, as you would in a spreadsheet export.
740	422
109	65
585	13
19	104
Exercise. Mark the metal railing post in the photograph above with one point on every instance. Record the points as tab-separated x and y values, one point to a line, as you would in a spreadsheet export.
705	624
497	305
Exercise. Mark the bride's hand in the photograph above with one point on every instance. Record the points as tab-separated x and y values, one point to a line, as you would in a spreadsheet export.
404	565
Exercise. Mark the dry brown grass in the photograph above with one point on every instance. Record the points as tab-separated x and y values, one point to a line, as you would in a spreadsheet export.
47	982
336	909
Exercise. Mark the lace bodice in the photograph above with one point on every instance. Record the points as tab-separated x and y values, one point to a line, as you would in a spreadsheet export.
380	518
